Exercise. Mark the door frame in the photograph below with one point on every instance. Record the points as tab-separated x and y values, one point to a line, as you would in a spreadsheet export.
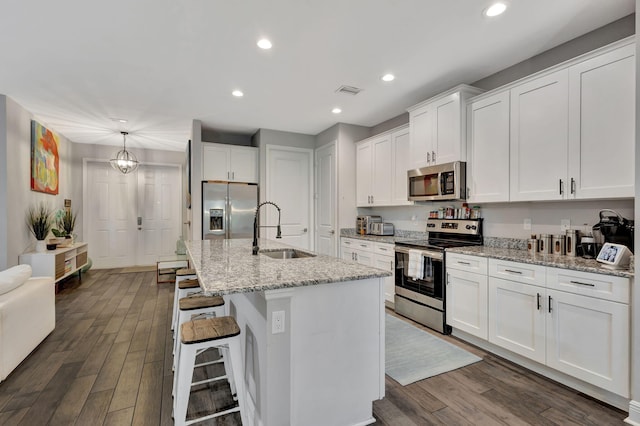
334	146
86	160
267	195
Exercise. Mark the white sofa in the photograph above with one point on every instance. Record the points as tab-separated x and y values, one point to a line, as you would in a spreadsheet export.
27	315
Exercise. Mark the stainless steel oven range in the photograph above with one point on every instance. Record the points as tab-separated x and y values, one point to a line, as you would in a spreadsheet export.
421	274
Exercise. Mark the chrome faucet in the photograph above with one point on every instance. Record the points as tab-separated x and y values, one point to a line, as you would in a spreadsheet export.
255	226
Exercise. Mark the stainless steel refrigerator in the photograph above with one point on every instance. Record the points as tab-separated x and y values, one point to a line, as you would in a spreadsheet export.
228	209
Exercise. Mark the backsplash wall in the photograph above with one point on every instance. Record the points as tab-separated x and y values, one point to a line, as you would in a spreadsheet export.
505	220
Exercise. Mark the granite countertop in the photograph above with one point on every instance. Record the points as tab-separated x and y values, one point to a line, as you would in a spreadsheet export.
399	235
567	262
227	266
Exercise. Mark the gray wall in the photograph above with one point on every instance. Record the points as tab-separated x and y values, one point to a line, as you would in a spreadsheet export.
211	135
602	36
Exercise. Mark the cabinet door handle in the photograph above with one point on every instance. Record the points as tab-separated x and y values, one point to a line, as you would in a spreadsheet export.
573	186
382	248
233	175
550	304
428	157
356	254
433	156
579	283
353	256
228	176
538	300
464	263
363	245
372	199
391	265
513	272
561	187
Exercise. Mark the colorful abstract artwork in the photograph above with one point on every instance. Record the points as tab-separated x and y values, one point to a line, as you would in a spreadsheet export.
45	161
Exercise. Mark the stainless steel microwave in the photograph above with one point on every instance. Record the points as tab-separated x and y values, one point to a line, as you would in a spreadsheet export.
436	183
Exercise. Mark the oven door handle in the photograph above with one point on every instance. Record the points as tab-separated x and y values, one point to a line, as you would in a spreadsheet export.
425	253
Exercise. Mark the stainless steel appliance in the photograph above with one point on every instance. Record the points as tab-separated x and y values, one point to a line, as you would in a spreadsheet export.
381	228
442	182
614	228
363	223
421	288
228	209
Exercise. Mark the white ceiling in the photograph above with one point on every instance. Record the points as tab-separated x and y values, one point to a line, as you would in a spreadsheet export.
77	64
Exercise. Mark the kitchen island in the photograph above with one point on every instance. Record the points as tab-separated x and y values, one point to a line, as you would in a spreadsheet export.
325	366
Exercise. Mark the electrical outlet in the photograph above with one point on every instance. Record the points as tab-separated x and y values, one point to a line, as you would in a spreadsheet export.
565	224
527	224
277	322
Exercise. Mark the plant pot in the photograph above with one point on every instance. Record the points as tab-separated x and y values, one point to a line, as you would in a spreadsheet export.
41	246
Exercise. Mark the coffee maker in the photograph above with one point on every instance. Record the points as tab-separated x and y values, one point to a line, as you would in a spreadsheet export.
614	228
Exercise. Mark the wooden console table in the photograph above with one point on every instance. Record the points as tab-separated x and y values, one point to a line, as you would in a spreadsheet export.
58	263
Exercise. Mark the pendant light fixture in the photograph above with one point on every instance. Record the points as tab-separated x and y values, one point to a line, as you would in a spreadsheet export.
125	162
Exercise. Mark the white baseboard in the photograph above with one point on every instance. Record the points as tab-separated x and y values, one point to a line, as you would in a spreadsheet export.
634	413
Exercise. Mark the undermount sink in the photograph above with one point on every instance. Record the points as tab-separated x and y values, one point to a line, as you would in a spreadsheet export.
286	253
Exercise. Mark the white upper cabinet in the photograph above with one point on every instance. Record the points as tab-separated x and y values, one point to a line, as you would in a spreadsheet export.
568	131
602	125
438	126
401	157
488	149
381	169
229	163
539	135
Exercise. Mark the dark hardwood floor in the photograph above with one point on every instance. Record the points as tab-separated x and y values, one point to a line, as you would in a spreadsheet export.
109	362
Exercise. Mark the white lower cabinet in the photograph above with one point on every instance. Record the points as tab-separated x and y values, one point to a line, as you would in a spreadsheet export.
588	338
571	321
517	317
378	255
466	294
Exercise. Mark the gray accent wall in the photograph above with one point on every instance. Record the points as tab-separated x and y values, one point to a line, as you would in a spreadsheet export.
4	179
602	36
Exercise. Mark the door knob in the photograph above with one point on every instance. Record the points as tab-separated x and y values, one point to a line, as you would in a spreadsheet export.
304	230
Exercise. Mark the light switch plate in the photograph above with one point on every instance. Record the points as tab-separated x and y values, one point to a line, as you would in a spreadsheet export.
565	224
527	224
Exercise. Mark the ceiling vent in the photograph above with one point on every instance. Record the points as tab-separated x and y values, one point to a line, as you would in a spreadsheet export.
348	90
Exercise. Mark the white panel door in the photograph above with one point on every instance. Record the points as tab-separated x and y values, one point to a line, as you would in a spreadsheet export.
421	137
290	185
467	295
539	138
158	212
216	162
602	125
488	150
364	167
109	214
401	159
588	338
381	171
113	203
447	137
326	209
517	318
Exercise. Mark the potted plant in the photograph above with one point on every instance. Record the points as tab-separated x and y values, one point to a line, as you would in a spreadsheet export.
39	222
65	222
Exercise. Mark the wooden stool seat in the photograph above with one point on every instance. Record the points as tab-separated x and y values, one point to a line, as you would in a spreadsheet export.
200	301
185	284
184	271
204	330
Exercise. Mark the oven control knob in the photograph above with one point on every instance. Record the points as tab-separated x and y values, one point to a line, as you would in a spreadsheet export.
471	227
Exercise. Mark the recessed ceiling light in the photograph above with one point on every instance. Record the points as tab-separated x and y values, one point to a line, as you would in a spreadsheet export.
495	9
237	93
388	77
336	110
264	44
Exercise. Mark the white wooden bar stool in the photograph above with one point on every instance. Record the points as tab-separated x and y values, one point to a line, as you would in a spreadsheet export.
182	275
202	334
198	305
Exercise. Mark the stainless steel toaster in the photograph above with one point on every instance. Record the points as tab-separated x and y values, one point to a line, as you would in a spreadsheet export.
363	223
381	228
